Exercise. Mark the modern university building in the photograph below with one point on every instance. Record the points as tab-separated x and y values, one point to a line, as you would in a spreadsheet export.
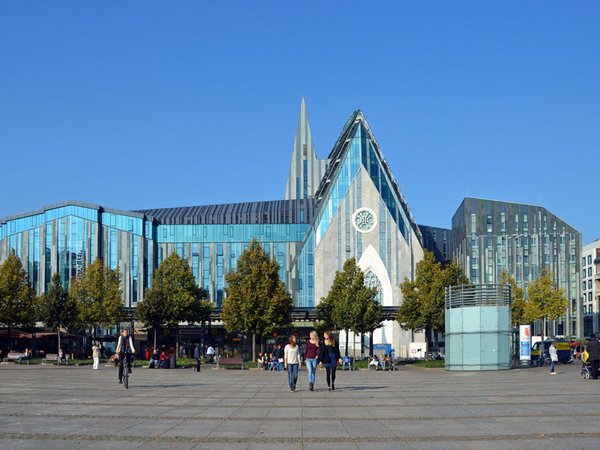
347	205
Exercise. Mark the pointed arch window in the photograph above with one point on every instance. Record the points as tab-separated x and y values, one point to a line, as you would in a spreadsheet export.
371	281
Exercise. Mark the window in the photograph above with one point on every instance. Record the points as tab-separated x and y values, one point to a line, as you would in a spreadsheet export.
589	271
589	259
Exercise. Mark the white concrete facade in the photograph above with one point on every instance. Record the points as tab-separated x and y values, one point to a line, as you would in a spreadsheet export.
590	287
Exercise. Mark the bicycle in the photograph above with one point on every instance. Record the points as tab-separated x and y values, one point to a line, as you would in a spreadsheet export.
125	366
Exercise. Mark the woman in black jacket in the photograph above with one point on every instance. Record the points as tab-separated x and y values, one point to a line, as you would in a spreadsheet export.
329	356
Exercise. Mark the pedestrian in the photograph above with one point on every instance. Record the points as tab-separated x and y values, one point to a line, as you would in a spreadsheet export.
553	357
278	354
197	356
210	352
96	349
260	361
311	357
594	351
291	361
330	357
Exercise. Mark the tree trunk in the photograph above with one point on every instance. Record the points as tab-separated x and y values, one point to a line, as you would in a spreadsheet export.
154	348
371	345
253	346
202	324
58	334
427	343
176	344
346	351
9	340
262	344
543	346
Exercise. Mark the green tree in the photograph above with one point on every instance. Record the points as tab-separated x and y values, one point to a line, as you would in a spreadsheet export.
544	301
517	305
174	297
98	296
350	305
17	299
56	308
423	299
257	301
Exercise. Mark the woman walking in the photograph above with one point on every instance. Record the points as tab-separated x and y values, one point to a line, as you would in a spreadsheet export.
291	360
330	357
311	357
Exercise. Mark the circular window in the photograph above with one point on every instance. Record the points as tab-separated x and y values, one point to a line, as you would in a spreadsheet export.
364	220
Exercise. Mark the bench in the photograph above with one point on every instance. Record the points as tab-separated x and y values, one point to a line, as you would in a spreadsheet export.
14	356
230	362
50	357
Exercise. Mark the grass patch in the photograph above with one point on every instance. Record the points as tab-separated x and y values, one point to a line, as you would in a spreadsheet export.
433	364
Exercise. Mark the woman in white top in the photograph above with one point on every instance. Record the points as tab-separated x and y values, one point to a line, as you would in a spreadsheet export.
291	362
96	355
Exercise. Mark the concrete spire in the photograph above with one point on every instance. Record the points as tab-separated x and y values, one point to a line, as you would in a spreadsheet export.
306	170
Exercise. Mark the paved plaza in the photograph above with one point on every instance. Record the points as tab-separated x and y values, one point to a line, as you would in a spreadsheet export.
74	407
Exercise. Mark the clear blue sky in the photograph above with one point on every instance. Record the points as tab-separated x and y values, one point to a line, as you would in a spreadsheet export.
145	104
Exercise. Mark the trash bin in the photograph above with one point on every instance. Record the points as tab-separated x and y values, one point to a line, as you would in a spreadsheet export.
172	362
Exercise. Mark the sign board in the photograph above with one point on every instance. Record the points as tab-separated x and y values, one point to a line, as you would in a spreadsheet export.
525	343
383	349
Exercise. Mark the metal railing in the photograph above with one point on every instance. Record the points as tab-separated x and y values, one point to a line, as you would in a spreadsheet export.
464	296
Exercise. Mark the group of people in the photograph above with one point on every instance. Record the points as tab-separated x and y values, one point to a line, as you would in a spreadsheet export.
324	352
386	362
271	361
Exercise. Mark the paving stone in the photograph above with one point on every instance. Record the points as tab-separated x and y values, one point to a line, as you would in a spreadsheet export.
68	408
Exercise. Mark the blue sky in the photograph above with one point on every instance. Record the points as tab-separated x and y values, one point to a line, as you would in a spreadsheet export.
150	104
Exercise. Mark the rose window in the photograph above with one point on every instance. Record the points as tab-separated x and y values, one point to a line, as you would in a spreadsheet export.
364	220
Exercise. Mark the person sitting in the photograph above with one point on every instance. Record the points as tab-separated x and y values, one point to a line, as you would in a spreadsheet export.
347	362
154	360
374	363
389	363
163	360
260	361
272	362
25	357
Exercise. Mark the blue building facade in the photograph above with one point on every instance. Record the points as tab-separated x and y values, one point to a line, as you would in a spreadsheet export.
343	206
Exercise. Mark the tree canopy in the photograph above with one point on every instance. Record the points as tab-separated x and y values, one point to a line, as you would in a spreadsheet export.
257	301
174	297
544	299
17	299
350	305
56	308
423	299
98	296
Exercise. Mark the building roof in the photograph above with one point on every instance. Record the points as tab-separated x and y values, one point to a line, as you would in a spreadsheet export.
336	156
274	212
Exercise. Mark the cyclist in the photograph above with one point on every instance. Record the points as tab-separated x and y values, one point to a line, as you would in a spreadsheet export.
124	351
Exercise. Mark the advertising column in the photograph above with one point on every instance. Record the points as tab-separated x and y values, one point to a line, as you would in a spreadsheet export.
525	344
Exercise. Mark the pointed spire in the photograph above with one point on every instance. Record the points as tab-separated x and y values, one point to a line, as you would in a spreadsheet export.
305	169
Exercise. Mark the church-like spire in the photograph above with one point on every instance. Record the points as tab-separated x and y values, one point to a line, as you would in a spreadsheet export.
306	170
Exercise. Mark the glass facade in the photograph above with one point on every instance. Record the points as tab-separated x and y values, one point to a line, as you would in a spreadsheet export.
67	238
490	237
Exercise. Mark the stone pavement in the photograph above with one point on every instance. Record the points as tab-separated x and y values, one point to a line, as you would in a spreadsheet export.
74	407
